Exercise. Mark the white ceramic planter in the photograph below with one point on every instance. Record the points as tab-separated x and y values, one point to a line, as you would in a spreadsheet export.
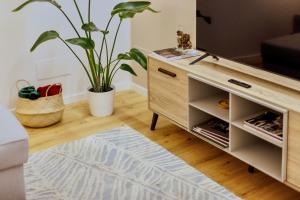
101	104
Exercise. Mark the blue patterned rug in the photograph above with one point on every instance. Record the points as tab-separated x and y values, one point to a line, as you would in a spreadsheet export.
115	165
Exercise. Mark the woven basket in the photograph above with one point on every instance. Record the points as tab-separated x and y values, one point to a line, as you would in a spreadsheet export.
42	112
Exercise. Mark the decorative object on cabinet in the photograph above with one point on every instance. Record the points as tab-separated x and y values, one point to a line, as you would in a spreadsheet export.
183	40
175	54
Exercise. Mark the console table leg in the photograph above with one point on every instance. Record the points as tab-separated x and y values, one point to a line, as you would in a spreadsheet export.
154	121
251	169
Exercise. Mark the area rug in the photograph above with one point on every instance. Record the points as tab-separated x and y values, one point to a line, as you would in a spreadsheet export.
115	165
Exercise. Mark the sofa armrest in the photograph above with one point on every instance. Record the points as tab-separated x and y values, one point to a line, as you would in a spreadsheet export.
13	141
296	24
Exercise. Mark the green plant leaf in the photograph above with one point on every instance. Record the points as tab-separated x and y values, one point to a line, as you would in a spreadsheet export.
104	32
53	2
85	43
48	35
90	27
93	28
127	68
139	57
133	6
152	10
129	9
124	56
126	14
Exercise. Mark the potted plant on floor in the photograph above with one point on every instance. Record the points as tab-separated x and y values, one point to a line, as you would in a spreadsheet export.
100	73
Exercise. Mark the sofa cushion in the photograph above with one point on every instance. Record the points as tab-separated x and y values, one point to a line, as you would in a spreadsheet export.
282	50
10	128
13	141
13	154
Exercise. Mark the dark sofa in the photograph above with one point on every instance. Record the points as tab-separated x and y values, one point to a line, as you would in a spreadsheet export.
282	54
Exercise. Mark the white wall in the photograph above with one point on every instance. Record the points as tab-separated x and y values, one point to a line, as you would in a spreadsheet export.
51	62
152	31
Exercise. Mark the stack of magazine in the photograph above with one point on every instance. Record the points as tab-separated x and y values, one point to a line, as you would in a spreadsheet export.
173	54
268	122
215	130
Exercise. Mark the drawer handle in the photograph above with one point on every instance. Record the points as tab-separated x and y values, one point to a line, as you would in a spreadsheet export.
173	75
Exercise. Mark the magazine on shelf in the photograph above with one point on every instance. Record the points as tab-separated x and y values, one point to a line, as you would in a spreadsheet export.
214	138
215	142
220	137
215	130
210	134
268	122
175	54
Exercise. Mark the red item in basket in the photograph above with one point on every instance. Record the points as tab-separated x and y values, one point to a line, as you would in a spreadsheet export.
50	90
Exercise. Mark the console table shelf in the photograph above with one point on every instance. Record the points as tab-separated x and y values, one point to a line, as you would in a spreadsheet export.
191	97
226	149
240	124
254	147
265	157
208	105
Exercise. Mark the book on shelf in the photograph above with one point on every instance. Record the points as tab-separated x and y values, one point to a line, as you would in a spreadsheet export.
175	54
268	122
215	130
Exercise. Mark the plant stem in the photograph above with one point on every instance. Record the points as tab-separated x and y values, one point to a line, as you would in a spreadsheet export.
93	67
112	71
96	53
84	67
104	42
112	77
80	15
89	17
108	75
70	22
90	54
115	66
115	39
89	12
78	10
104	69
106	51
104	37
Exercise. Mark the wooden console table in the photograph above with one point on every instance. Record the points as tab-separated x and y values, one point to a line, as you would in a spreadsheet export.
188	95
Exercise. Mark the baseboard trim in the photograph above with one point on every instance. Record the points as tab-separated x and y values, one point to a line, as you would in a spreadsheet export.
121	86
81	96
73	98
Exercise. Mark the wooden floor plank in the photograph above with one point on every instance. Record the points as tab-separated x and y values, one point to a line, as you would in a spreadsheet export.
131	109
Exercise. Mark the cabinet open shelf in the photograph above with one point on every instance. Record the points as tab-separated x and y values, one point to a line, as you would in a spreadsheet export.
226	149
258	149
257	152
265	157
240	124
210	106
198	117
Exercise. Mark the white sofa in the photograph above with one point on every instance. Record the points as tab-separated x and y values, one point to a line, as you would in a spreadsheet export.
13	154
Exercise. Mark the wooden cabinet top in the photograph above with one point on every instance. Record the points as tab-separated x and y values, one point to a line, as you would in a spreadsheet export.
219	72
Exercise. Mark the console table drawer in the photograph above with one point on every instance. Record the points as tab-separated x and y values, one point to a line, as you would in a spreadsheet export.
168	91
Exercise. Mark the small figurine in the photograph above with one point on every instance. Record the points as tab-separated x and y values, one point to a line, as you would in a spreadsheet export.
183	40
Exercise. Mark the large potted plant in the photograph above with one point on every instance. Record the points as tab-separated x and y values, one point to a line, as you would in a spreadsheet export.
101	66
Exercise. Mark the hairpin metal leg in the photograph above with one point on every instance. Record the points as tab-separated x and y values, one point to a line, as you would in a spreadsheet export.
251	169
154	121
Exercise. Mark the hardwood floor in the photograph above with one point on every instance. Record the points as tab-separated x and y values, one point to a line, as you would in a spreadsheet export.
131	109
